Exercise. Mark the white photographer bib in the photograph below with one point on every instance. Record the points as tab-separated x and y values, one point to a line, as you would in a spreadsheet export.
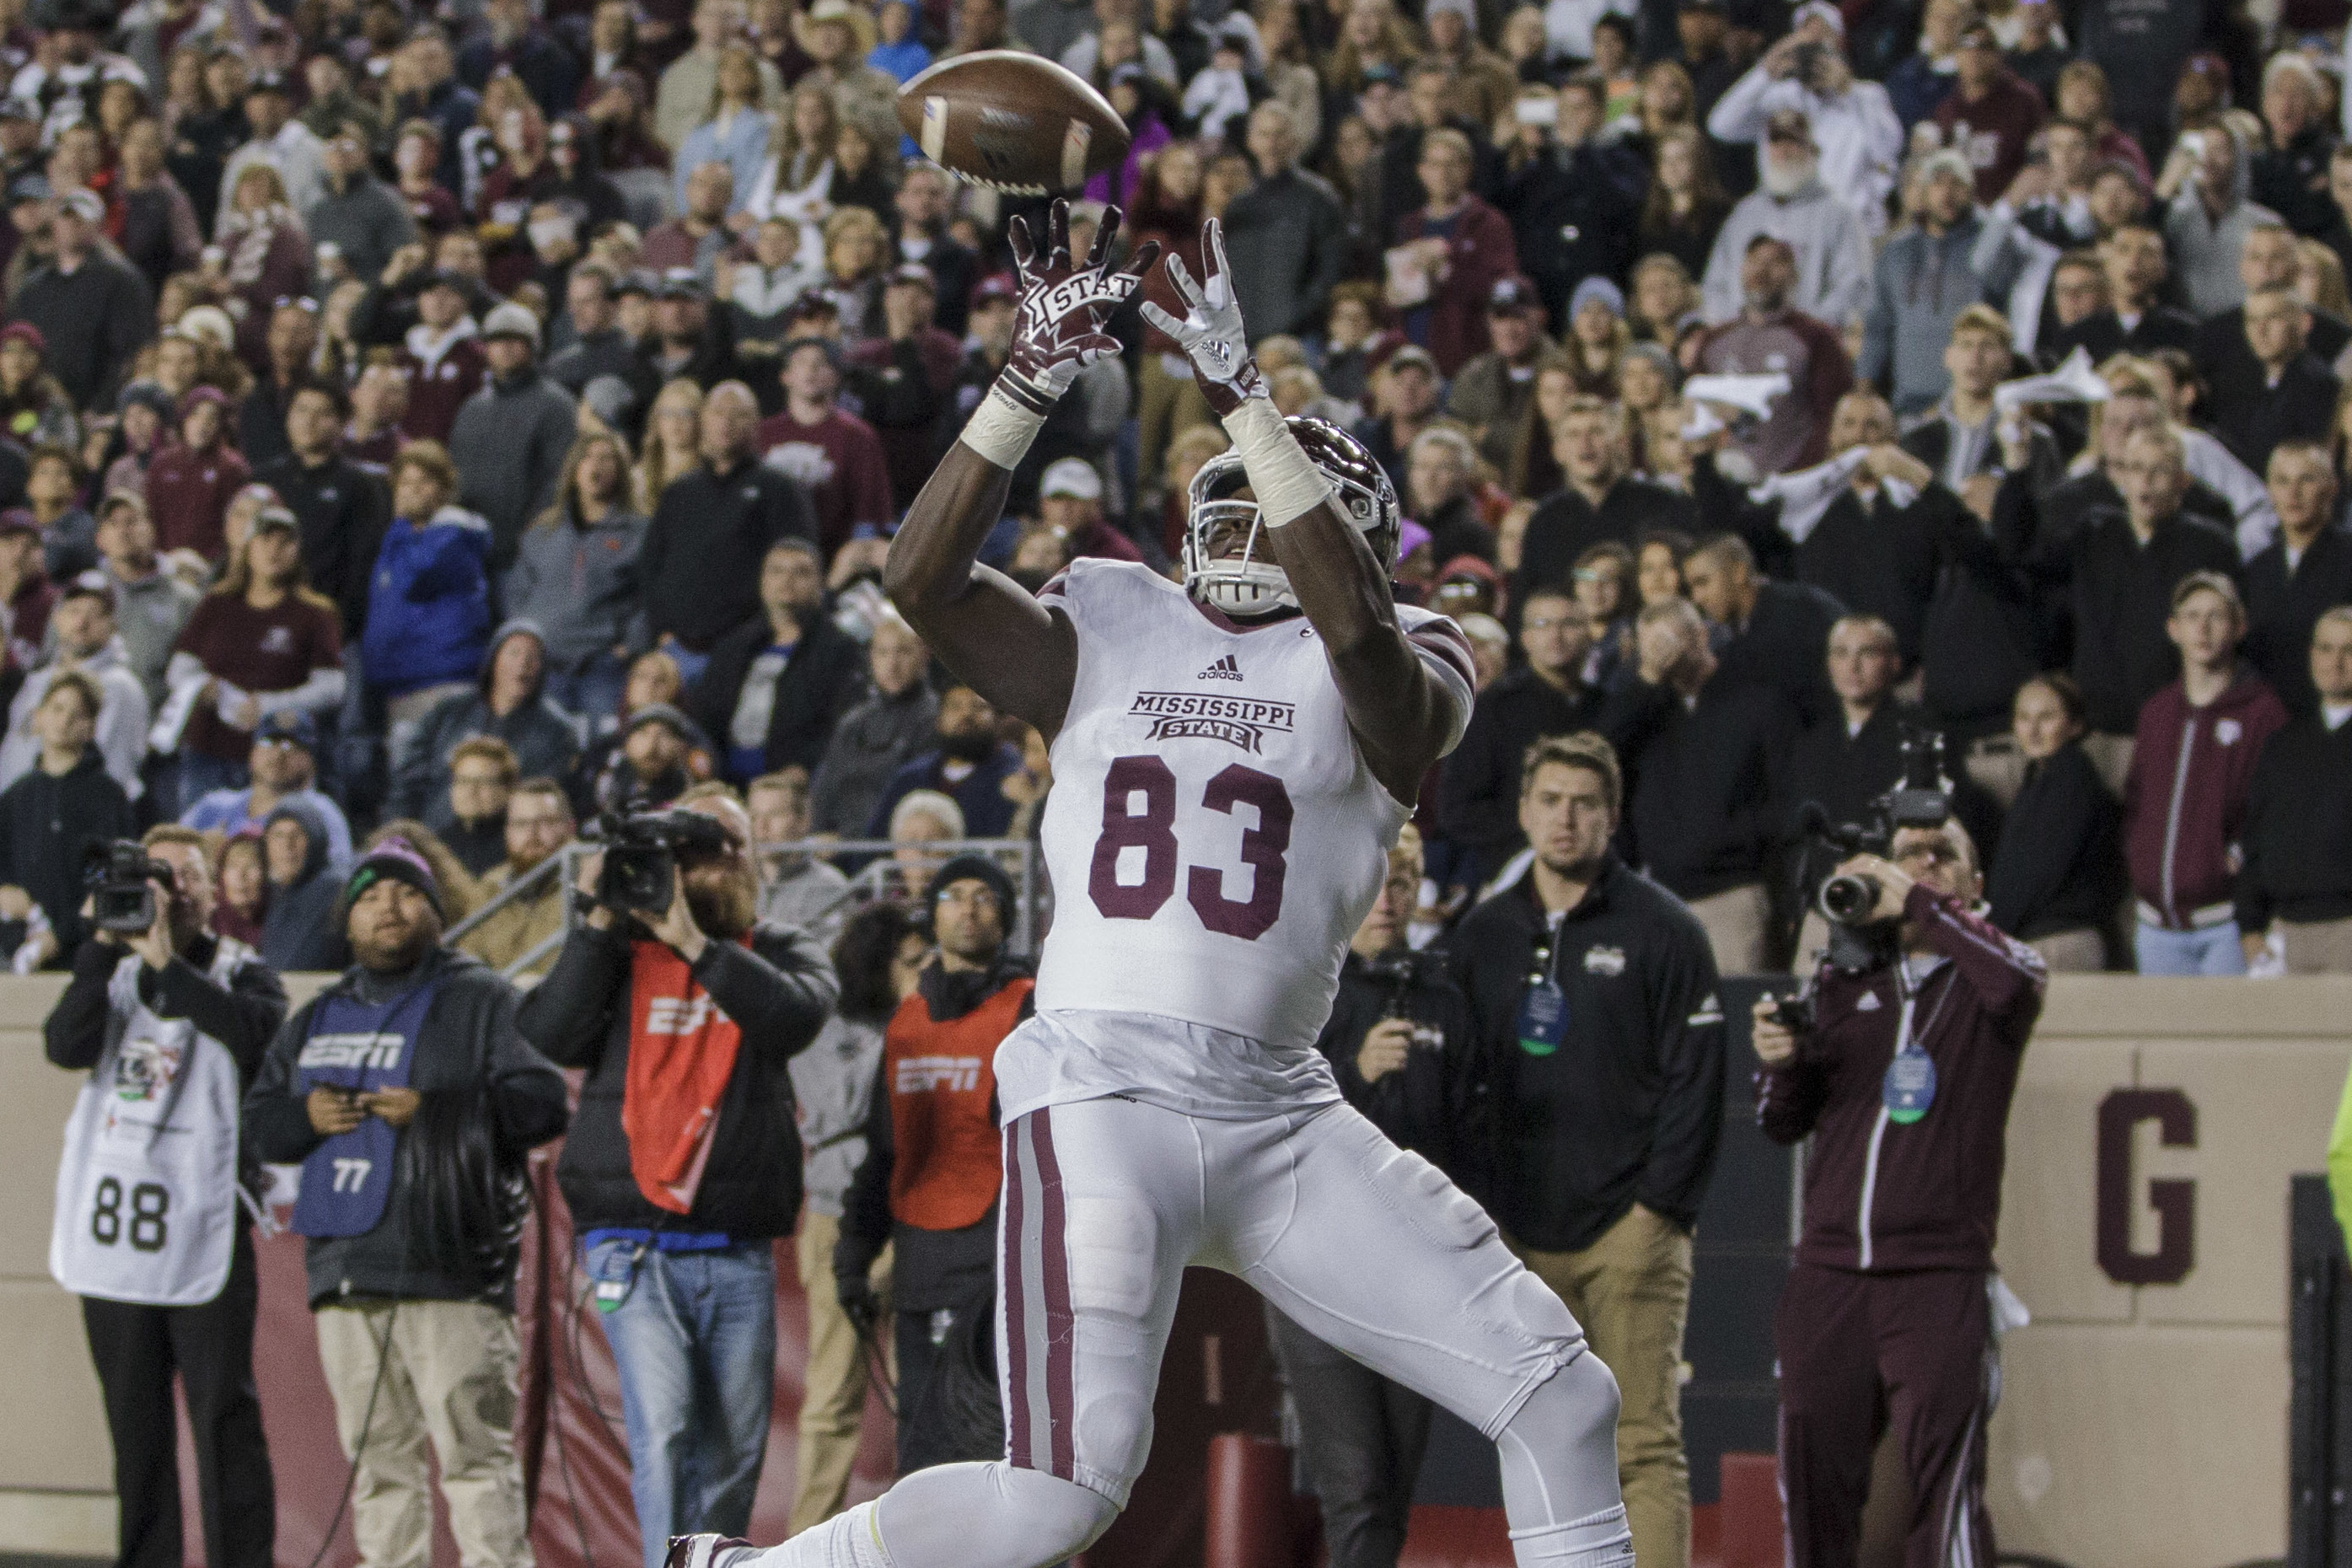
147	1195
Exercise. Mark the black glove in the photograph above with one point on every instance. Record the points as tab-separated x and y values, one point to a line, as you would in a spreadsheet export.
860	1304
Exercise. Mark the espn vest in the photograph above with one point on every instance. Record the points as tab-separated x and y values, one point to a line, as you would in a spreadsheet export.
147	1191
941	1079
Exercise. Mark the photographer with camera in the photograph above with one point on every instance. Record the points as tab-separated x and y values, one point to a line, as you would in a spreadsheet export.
169	1023
1900	1064
409	1099
1405	1048
683	1166
1601	1025
933	1172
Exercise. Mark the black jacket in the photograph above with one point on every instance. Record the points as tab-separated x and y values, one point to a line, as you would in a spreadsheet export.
1982	633
930	1269
1629	1108
700	561
778	990
46	824
1566	525
2283	606
1479	785
1784	648
2123	596
2060	863
1440	1104
2297	838
821	678
1702	813
2259	416
466	1046
343	510
2103	333
1575	213
608	352
1880	560
93	321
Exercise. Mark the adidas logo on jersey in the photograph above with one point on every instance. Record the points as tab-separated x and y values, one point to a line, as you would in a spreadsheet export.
921	1075
1225	668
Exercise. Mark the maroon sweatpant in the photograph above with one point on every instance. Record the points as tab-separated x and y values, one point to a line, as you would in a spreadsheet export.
1859	1351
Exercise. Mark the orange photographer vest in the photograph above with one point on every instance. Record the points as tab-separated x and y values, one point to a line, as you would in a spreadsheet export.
941	1079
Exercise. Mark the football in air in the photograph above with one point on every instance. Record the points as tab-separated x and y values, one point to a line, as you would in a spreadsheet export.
1015	123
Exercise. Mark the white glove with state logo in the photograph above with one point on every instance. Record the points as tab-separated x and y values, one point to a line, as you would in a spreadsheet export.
1057	328
1210	333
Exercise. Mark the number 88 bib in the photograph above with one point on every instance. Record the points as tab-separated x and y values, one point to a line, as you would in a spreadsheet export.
147	1195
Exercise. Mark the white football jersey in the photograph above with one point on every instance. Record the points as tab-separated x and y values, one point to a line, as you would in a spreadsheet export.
1214	838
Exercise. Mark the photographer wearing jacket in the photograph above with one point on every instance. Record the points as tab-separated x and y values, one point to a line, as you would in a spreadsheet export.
683	1166
1597	1013
933	1169
169	1023
409	1099
1404	1047
1902	1075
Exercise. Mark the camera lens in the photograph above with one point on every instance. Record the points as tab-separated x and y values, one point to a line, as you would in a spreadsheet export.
1849	899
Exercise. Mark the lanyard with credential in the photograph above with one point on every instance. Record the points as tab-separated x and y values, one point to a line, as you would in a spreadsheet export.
1543	1006
1909	1086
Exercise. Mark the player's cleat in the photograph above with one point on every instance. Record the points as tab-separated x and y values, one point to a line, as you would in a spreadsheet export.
706	1551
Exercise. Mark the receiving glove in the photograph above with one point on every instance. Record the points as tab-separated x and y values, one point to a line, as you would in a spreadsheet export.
1057	327
1210	335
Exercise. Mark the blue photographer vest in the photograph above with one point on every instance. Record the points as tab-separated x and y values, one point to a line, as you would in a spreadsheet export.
361	1045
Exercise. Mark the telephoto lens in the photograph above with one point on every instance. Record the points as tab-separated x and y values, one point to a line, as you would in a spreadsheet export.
1849	899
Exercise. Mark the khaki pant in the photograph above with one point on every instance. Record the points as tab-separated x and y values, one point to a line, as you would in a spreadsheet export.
833	1396
1738	921
1631	1290
448	1373
2318	947
2071	952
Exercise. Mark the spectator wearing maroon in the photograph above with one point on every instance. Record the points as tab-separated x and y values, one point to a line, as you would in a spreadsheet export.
1991	114
26	594
417	160
443	356
34	409
1070	503
261	642
1460	246
2192	771
191	481
379	408
904	379
1769	335
834	455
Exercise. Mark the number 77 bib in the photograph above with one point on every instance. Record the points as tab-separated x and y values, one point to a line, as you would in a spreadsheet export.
358	1046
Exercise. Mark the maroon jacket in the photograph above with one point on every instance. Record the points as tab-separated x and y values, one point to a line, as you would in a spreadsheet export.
1884	1196
2185	797
438	388
1992	132
188	494
1478	252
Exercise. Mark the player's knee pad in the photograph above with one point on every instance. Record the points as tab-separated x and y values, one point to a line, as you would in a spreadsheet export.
1065	1517
1577	1404
988	1516
1558	1453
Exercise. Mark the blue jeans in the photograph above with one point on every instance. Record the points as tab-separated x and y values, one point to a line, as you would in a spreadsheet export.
695	1342
594	690
2212	950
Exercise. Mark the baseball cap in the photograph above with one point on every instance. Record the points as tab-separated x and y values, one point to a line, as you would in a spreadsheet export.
1511	296
1827	13
24	332
680	283
1072	477
84	205
993	288
1412	354
275	517
636	281
290	724
91	585
512	321
914	273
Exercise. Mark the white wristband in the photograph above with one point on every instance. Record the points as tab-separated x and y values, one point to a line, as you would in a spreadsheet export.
1001	429
1288	484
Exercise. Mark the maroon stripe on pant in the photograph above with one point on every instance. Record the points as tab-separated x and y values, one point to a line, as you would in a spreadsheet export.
1061	1325
1017	1329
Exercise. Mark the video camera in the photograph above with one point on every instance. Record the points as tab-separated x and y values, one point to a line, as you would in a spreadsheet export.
1921	797
119	877
642	849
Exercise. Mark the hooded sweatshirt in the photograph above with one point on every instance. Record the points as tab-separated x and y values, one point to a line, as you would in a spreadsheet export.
301	931
545	738
2205	248
1831	245
509	443
2184	798
428	602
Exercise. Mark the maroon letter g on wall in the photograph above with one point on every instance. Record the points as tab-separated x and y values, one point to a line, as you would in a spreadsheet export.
2174	1200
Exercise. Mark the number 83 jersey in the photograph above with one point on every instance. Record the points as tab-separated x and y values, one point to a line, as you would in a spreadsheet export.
1214	838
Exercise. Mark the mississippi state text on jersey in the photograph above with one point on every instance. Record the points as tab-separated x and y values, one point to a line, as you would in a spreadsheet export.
1213	836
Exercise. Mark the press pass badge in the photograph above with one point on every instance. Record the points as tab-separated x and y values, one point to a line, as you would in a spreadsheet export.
1543	1018
616	1272
1909	1086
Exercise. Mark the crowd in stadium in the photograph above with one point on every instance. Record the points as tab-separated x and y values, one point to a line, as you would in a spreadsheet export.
402	408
